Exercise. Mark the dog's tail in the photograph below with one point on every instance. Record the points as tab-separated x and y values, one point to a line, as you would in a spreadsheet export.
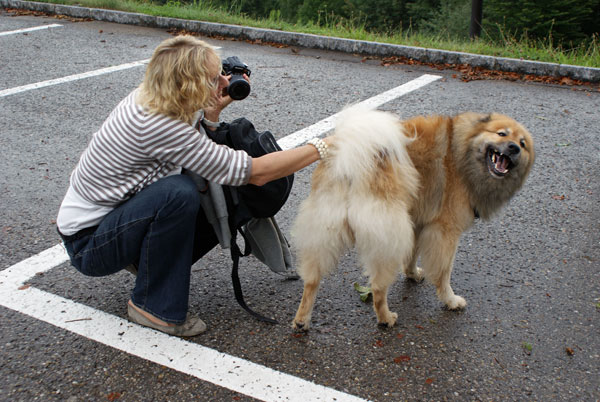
365	138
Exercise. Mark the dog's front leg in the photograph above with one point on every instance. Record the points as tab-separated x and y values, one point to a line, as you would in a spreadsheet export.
303	315
411	271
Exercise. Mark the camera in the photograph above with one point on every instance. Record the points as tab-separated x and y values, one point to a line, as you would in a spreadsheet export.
238	87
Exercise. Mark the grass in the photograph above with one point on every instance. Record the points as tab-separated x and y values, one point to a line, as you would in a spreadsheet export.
507	46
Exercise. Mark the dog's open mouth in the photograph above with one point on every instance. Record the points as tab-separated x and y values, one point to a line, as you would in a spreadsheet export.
498	164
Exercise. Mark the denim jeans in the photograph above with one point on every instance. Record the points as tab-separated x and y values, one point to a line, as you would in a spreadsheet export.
163	230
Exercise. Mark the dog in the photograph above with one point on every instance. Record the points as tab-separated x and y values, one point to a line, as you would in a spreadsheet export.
399	190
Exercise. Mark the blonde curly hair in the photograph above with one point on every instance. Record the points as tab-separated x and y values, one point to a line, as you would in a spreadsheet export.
178	79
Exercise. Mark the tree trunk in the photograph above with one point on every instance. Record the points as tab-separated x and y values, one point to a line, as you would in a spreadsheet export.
476	17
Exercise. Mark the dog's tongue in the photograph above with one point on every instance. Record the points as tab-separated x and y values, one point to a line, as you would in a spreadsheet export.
501	164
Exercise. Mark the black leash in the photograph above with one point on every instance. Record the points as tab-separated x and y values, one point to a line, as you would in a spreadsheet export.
236	253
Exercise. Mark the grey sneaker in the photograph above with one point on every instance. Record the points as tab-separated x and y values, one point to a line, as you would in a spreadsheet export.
131	268
192	326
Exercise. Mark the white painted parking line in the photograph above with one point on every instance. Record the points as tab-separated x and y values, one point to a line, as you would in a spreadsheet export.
25	30
75	77
300	137
206	364
187	357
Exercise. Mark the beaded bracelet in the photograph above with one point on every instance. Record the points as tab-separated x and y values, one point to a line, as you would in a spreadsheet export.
320	145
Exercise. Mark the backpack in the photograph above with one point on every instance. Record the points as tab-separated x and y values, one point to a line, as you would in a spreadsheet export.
250	208
254	201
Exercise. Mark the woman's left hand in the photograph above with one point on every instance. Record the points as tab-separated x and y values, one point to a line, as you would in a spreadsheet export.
222	98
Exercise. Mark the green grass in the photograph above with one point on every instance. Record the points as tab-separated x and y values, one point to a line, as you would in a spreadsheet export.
520	48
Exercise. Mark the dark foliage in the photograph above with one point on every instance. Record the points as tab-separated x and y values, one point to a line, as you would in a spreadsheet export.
564	21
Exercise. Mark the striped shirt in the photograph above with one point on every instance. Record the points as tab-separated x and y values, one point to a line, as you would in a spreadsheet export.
134	148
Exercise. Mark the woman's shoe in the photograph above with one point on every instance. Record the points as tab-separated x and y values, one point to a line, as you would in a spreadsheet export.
192	326
132	268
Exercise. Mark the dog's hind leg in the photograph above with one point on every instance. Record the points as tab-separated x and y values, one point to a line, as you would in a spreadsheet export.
303	315
383	276
314	263
384	242
438	249
320	234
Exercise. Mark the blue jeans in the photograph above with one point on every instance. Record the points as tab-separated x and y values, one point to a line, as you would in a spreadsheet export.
163	230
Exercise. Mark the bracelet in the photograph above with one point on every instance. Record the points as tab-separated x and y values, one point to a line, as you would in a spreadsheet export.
321	146
209	123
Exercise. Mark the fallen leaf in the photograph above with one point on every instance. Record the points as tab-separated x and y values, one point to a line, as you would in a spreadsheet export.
113	396
378	343
365	291
429	381
566	81
23	287
400	359
570	351
558	197
401	335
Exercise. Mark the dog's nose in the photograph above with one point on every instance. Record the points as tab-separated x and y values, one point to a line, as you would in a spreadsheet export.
513	149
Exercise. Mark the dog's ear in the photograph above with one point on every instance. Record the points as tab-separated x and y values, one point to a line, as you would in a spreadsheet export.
485	119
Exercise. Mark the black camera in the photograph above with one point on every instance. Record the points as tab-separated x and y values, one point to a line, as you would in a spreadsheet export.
238	87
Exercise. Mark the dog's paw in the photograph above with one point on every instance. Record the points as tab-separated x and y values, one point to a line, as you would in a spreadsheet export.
389	321
300	326
456	303
415	274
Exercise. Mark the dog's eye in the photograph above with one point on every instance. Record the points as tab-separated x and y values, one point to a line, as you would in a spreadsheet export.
502	133
522	143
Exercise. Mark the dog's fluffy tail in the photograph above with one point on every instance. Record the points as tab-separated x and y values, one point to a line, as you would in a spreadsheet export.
366	137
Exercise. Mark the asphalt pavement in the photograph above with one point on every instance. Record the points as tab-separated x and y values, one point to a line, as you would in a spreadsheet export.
530	275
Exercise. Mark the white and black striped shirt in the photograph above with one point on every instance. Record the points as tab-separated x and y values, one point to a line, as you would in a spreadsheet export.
134	148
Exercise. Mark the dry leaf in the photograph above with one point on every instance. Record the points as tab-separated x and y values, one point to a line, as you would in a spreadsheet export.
400	359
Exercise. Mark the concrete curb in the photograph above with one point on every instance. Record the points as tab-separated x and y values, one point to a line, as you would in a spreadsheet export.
589	74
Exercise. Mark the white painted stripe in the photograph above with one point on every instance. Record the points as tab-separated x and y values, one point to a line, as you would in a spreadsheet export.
75	77
24	30
29	87
206	364
321	127
178	354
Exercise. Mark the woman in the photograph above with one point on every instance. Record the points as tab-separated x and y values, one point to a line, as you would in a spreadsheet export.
128	202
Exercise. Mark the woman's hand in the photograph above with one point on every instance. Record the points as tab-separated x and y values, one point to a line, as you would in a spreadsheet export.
222	98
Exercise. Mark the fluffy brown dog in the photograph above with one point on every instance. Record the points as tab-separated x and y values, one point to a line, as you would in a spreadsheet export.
397	190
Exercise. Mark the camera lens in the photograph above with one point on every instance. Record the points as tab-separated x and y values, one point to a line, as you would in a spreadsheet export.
238	87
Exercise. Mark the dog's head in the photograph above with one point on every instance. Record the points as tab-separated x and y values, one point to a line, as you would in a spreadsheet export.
494	152
502	146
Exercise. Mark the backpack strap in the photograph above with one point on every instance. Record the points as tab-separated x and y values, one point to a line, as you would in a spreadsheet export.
236	253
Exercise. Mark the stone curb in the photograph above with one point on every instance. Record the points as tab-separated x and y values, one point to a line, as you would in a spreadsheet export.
589	74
